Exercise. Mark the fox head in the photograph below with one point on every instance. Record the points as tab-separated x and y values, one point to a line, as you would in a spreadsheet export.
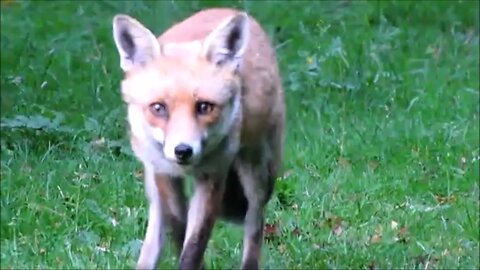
183	98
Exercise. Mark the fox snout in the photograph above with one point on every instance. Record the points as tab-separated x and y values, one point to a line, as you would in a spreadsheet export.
182	151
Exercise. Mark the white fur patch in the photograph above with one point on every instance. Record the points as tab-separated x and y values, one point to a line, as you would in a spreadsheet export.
142	87
158	135
136	119
188	50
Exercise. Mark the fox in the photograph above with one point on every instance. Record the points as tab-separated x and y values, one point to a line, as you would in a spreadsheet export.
204	100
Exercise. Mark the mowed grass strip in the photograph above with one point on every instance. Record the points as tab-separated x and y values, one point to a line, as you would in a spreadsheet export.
381	157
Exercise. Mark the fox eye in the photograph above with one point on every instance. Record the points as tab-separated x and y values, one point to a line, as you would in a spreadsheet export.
204	107
159	109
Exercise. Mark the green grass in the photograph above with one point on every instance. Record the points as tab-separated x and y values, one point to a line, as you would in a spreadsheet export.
381	157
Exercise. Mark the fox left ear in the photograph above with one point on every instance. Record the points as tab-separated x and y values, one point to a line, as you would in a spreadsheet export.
226	44
135	43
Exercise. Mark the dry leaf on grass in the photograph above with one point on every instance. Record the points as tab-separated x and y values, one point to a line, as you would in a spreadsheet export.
26	168
372	266
270	231
445	199
343	162
394	225
335	224
287	174
463	163
402	235
139	174
426	261
333	220
7	2
373	164
99	142
376	238
338	229
296	231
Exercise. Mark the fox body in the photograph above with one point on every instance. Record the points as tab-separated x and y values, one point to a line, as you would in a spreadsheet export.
205	99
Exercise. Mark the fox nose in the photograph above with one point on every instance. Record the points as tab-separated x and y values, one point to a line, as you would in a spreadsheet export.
183	152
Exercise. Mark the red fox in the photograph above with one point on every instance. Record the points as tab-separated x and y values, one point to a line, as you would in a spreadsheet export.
204	99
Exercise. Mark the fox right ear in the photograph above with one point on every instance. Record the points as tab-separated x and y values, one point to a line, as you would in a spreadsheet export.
226	44
135	43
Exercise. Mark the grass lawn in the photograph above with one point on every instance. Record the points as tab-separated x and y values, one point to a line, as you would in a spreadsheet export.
381	158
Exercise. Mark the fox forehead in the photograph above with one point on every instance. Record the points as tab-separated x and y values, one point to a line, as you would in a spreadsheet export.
171	76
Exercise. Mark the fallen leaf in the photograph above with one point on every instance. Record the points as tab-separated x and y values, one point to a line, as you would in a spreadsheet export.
114	222
139	174
287	174
415	151
402	235
81	175
281	248
373	164
434	50
99	142
403	231
7	2
270	231
394	225
316	246
332	221
375	239
309	60
270	228
296	231
401	205
343	162
26	168
372	265
463	163
446	199
426	261
335	224
101	248
338	230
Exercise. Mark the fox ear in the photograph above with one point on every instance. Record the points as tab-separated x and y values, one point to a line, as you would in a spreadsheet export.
227	43
135	43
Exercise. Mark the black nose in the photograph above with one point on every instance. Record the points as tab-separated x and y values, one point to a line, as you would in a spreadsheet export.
183	152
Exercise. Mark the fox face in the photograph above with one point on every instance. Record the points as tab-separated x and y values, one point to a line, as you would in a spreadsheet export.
183	98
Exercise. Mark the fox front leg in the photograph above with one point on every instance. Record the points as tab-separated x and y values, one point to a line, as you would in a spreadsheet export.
173	200
154	237
203	211
253	237
257	183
